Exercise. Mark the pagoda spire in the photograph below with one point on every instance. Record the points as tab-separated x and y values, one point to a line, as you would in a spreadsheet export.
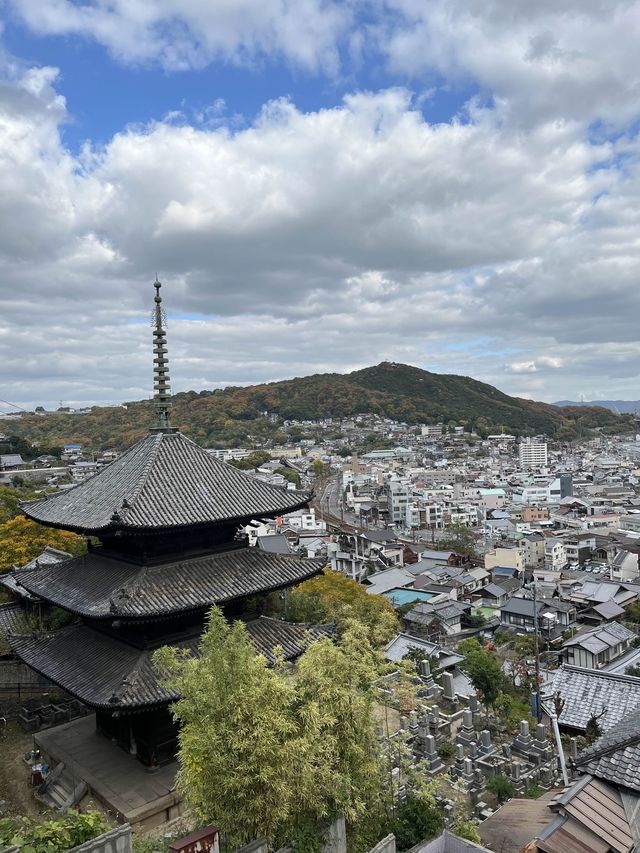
162	395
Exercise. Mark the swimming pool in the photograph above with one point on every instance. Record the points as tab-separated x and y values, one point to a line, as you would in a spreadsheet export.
400	596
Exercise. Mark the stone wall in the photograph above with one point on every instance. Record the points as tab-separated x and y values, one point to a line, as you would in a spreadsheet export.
117	840
387	845
258	846
448	843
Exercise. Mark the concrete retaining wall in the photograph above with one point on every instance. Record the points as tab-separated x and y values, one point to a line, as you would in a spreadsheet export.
117	840
386	845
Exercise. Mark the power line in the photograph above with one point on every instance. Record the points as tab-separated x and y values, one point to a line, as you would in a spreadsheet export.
13	405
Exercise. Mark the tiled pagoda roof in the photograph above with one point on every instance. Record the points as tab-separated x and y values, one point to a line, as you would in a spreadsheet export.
164	481
99	587
106	673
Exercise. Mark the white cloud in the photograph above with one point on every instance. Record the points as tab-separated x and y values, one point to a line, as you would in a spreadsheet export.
315	241
576	59
181	34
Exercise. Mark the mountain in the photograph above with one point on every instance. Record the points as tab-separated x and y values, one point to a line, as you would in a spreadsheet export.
233	416
620	407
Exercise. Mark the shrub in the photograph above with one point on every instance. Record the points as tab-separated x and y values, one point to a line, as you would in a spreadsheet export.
52	836
501	788
417	818
446	750
468	830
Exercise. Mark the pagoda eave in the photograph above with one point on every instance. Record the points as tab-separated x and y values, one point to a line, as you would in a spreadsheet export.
109	675
95	586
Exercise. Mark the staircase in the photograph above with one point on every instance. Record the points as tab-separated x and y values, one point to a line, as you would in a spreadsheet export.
60	791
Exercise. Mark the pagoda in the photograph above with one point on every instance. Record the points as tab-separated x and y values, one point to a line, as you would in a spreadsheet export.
167	518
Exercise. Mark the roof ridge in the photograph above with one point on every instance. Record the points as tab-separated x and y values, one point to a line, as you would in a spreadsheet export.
612	676
593	753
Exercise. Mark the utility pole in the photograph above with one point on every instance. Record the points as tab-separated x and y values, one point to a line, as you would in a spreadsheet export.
537	651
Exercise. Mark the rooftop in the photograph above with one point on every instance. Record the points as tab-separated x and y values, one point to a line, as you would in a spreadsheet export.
164	481
98	586
587	692
105	672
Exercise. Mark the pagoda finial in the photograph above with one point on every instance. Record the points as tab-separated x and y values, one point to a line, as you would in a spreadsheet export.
162	391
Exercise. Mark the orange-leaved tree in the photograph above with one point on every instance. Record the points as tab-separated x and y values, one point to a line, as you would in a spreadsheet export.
332	597
22	539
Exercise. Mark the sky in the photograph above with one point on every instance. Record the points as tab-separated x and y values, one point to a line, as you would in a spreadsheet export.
320	185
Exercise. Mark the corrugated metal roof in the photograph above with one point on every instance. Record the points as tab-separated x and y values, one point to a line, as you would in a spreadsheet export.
104	672
163	481
94	585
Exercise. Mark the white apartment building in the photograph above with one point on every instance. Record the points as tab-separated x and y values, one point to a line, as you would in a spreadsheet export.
398	496
532	453
531	495
304	520
431	430
421	514
555	556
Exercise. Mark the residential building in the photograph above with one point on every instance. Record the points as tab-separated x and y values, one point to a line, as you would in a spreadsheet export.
598	646
532	453
532	547
553	616
508	558
535	514
10	461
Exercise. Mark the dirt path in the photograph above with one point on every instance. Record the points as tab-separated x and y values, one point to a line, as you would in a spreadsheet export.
16	793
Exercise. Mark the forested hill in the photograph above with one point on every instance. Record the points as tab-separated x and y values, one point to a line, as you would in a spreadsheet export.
233	415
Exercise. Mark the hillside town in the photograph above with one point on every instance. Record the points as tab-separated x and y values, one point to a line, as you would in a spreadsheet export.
517	553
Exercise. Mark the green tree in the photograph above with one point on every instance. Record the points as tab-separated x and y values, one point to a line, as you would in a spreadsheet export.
418	818
267	752
459	538
500	787
318	468
253	460
238	738
332	597
290	475
484	670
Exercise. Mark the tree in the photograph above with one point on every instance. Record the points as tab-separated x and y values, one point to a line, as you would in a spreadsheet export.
317	467
290	475
22	540
459	538
238	737
483	668
267	752
467	829
332	597
418	818
253	460
500	787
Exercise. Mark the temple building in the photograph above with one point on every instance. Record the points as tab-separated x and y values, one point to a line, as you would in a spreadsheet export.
164	522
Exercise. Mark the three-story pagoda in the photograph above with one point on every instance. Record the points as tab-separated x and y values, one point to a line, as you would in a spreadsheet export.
166	515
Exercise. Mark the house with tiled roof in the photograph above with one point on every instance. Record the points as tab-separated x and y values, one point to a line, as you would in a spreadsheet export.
587	693
598	646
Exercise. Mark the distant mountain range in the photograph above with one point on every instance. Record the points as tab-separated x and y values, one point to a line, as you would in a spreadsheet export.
620	407
236	416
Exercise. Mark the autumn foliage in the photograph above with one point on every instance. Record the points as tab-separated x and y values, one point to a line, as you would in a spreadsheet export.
331	597
22	539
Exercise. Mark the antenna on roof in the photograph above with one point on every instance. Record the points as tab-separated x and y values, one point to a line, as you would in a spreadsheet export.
162	395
